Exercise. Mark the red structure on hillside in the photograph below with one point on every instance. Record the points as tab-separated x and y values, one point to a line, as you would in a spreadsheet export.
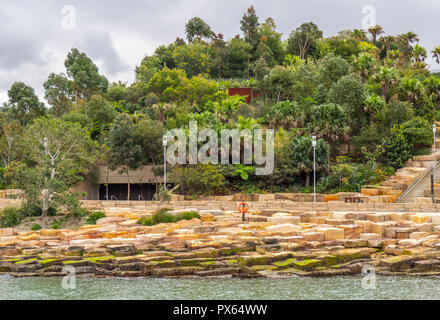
243	92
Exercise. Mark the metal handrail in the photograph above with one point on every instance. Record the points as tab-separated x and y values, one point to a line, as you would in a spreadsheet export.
415	182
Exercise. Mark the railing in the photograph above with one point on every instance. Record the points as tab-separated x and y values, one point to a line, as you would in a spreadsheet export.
415	182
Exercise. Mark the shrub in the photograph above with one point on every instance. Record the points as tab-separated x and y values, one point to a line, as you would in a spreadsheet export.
56	225
9	217
36	227
200	180
395	150
187	215
94	216
162	216
146	221
31	210
162	194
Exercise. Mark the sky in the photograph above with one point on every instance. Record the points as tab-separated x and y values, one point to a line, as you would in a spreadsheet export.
36	35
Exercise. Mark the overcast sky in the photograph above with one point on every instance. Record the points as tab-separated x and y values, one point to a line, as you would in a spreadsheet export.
117	34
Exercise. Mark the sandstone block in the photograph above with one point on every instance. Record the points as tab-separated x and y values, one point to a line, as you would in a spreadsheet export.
331	233
314	236
370	236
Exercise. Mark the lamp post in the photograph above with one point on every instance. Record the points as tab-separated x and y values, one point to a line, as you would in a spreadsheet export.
164	142
434	131
314	168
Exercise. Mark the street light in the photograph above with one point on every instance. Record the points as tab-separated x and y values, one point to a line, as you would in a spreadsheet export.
314	168
434	130
164	142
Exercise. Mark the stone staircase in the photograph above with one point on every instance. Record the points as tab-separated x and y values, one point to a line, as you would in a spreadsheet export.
419	191
410	183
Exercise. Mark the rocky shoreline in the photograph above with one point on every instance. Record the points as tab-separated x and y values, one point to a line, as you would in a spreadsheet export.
270	243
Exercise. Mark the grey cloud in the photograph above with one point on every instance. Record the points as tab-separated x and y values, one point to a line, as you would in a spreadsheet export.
31	33
98	45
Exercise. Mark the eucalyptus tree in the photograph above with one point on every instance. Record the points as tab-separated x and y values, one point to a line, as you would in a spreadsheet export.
302	41
58	92
58	155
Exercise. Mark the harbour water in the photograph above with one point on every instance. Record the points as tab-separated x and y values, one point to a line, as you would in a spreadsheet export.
293	288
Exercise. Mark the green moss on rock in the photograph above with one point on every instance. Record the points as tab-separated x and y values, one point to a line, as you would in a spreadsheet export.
285	264
308	264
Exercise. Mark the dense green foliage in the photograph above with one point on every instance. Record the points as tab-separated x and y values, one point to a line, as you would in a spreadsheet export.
368	97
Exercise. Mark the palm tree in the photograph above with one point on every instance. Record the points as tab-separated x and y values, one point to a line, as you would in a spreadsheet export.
375	31
360	34
419	53
373	103
364	65
301	156
436	54
411	37
387	76
328	121
389	40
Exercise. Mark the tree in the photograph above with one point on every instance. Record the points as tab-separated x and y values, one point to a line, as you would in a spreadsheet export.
436	54
193	58
196	28
148	135
375	31
62	153
263	51
387	77
85	75
394	150
300	156
331	69
101	113
23	104
58	93
217	55
125	153
237	58
373	104
278	84
10	135
328	121
260	68
364	64
417	132
249	27
267	31
285	114
419	53
302	40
